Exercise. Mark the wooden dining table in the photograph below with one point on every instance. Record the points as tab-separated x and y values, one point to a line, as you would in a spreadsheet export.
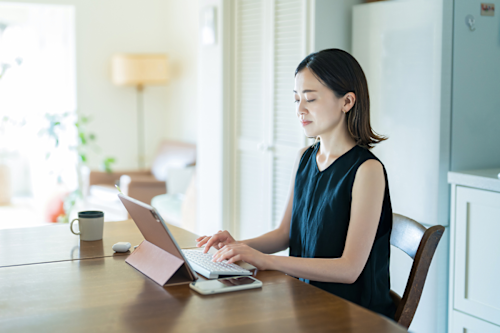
50	281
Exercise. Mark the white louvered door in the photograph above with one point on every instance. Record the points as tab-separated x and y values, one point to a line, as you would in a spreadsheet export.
289	48
249	114
269	42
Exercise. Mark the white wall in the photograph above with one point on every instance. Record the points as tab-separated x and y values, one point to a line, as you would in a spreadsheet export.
154	26
182	47
333	24
212	163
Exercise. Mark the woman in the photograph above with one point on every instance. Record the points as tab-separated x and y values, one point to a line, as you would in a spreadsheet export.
338	218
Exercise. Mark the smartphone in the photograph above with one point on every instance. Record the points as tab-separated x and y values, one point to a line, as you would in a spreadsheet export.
224	285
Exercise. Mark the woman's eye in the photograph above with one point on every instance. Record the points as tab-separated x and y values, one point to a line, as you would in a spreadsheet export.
307	100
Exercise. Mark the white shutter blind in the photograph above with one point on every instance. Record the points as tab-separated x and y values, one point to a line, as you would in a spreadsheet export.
250	163
269	42
289	50
249	71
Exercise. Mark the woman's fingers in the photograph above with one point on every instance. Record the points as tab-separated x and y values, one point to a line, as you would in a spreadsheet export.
225	253
218	254
234	259
202	240
219	240
234	252
213	240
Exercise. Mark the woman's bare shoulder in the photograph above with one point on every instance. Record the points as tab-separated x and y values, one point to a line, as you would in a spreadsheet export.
370	170
371	166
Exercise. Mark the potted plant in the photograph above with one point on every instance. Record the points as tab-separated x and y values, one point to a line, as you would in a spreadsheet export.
86	141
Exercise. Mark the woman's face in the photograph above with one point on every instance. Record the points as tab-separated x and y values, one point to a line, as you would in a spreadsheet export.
317	107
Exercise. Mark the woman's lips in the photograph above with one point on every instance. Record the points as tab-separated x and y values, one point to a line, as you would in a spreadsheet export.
305	122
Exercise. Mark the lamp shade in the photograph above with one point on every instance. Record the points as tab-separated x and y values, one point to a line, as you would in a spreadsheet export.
139	69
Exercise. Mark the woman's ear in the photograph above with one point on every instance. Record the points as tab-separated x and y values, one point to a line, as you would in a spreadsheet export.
349	100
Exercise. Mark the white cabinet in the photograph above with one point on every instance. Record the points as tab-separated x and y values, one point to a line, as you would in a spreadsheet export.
475	252
461	323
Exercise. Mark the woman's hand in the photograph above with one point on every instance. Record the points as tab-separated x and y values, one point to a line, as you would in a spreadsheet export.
218	240
238	251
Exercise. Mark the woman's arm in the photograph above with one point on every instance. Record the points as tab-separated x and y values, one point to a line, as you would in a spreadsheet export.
366	208
271	242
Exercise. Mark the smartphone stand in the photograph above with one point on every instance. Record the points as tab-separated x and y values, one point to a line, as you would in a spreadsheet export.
159	265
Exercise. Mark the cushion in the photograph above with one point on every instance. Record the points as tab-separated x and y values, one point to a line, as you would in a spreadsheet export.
172	155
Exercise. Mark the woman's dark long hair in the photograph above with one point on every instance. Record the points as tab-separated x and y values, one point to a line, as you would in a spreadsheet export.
339	71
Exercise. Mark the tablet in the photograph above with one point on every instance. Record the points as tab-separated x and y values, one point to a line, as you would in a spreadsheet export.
159	256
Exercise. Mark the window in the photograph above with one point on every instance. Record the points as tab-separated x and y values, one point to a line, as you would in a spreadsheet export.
38	78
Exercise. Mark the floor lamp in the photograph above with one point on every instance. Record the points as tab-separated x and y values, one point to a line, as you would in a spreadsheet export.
139	70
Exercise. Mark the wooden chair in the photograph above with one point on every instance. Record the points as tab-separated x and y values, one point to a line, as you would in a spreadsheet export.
420	244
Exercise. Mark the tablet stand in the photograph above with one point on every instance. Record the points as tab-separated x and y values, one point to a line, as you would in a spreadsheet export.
159	265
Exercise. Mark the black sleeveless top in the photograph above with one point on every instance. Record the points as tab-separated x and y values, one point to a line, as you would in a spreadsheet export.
320	219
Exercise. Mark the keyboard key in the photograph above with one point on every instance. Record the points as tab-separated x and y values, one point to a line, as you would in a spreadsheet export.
204	260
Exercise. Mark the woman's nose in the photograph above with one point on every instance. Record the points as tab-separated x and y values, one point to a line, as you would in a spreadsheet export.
301	110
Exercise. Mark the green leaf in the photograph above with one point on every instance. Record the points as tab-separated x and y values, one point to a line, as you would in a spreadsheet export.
107	164
83	140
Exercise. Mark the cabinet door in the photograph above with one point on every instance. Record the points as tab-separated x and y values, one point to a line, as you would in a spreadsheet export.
477	253
462	323
270	41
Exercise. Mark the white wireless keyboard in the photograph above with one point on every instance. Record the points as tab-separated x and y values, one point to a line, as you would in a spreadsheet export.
202	263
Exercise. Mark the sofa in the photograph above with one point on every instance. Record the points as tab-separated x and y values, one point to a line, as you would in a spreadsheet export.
99	187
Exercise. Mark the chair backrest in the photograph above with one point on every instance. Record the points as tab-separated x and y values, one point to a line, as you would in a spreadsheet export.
420	244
